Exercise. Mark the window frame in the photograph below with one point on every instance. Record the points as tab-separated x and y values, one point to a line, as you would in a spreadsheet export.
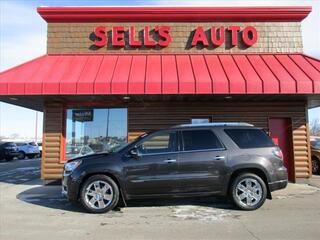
160	153
201	150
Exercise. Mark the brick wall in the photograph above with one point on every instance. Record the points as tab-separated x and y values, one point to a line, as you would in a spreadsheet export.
272	37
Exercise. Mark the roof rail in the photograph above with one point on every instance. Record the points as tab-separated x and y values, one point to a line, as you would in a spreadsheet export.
214	124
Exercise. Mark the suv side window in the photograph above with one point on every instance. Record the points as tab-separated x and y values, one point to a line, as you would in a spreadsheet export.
162	142
249	138
200	140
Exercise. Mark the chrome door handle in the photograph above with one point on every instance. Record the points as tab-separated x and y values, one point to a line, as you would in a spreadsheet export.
219	157
170	160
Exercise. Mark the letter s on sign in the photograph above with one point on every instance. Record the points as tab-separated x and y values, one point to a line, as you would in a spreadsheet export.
101	38
164	33
249	40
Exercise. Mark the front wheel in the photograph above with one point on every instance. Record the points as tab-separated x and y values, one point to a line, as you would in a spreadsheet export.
99	194
21	155
248	191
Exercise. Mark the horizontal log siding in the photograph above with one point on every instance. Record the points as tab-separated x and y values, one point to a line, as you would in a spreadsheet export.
51	166
145	117
154	116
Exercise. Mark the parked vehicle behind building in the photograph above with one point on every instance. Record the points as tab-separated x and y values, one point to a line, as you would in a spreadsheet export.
315	155
8	150
29	149
78	151
40	148
221	159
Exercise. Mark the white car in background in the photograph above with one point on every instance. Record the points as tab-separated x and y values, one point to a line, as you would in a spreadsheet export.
28	149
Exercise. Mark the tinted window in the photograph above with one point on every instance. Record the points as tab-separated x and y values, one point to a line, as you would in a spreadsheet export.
250	138
10	144
200	140
159	143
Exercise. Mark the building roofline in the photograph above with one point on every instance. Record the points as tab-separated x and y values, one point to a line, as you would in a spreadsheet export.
174	14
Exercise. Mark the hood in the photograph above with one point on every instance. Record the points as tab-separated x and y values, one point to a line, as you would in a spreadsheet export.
90	157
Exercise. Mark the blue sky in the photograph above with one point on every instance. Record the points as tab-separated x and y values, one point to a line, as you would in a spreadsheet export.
23	37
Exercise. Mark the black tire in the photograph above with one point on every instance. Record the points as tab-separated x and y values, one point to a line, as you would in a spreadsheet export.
234	192
315	166
115	191
21	155
31	156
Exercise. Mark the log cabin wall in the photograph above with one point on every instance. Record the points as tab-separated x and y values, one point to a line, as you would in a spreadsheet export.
52	147
150	116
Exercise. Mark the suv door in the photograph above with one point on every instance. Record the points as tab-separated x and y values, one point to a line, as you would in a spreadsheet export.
201	161
154	169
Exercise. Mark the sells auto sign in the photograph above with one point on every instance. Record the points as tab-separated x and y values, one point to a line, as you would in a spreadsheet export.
160	36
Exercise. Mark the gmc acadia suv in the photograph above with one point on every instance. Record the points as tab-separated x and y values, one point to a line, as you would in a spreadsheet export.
220	159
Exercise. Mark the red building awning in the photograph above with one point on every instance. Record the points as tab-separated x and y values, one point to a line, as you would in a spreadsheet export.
164	74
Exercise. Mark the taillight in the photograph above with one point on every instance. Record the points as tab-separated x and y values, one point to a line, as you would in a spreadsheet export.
278	153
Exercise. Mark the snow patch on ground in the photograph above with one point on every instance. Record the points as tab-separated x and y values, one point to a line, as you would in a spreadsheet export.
190	212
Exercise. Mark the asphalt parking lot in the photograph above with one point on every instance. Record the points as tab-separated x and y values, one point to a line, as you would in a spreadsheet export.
29	210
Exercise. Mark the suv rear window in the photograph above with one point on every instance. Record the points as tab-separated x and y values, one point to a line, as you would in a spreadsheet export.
249	138
200	140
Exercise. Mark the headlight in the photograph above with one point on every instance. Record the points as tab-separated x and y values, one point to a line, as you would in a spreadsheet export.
70	166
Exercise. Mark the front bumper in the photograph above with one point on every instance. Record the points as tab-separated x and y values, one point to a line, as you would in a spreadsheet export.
70	187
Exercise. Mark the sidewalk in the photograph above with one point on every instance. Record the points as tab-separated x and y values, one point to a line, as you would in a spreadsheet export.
315	181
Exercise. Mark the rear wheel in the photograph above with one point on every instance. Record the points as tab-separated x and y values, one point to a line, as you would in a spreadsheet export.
248	191
315	166
99	194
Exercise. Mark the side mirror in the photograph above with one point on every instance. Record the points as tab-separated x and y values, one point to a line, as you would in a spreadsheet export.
134	152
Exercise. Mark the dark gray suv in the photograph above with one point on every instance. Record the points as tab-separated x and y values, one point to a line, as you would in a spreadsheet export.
221	159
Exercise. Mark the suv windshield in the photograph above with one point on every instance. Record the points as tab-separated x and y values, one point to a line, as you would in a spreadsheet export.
119	148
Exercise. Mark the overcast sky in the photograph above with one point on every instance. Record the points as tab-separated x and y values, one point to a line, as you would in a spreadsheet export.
23	37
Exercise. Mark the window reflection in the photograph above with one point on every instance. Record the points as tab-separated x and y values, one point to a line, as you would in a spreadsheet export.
94	130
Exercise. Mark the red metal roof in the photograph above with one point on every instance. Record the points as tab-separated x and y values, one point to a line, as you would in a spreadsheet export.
174	14
164	74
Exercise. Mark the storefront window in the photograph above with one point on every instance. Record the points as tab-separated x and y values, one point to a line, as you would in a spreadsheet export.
94	130
200	120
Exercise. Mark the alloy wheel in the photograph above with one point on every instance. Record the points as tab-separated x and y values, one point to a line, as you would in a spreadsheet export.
249	192
98	194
